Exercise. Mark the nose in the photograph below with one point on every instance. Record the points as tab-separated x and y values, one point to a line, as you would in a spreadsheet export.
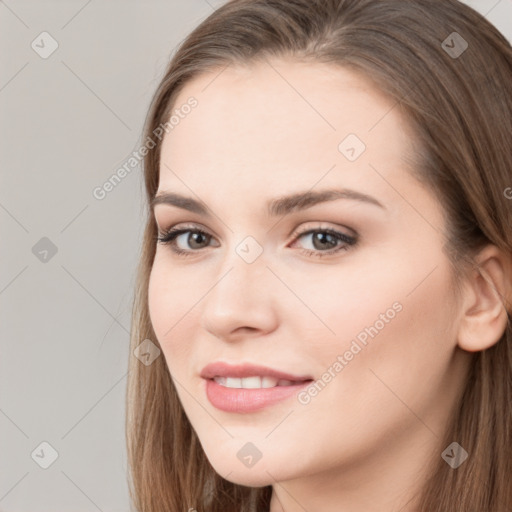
240	303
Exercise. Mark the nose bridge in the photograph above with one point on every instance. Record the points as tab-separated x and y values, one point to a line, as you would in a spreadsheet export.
241	273
240	296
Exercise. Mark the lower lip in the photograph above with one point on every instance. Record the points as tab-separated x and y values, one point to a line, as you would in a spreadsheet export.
248	400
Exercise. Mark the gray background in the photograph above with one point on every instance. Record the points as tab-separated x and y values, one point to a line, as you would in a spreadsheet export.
68	122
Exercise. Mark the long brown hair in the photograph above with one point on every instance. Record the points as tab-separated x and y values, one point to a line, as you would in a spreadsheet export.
459	105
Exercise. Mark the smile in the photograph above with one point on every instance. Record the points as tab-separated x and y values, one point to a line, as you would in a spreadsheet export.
252	382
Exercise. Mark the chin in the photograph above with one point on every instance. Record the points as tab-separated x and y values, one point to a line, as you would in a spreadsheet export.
260	474
250	477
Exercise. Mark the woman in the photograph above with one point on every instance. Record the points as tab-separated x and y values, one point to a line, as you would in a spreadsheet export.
327	264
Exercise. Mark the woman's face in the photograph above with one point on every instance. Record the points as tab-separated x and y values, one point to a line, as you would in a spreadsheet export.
353	292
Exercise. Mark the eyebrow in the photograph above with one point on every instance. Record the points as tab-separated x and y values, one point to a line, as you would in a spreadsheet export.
275	207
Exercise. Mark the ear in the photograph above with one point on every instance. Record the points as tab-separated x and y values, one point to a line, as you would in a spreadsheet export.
487	297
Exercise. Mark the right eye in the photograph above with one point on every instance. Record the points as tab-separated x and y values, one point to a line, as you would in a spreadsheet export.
194	238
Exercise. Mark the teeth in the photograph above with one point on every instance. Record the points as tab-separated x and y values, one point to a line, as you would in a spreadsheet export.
268	382
251	382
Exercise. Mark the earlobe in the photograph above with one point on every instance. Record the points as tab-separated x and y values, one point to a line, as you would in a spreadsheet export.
486	300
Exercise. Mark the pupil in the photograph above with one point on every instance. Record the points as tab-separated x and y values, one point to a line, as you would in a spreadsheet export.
322	238
194	237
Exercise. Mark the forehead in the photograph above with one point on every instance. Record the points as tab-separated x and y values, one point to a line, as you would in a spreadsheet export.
280	123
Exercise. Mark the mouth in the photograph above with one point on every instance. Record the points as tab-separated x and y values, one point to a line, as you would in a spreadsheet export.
248	388
255	382
248	373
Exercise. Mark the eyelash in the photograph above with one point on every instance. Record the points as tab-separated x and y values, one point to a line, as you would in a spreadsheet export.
168	237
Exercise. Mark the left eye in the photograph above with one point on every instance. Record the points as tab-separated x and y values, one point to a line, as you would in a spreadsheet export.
327	240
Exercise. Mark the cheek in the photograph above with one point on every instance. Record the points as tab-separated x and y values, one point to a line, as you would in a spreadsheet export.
396	318
395	350
170	304
158	299
342	303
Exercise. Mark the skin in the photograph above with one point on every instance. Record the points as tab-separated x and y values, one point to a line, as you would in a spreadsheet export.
365	441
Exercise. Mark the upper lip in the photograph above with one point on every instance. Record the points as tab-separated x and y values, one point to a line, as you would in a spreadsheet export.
221	369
